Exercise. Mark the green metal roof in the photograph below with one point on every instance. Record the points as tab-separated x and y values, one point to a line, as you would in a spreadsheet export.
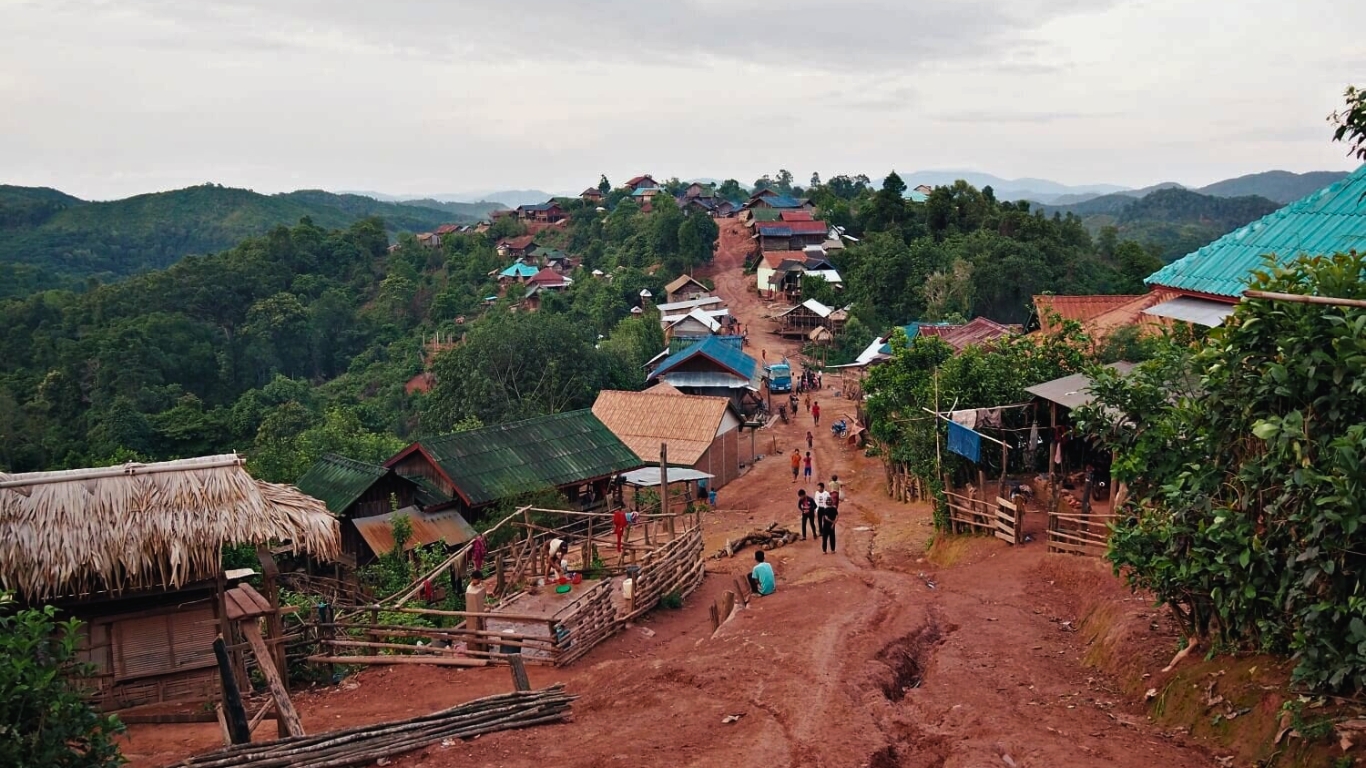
767	214
428	495
338	481
525	456
1328	221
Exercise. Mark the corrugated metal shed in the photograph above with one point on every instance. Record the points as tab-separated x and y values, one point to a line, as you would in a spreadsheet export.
505	460
1071	391
337	481
1328	221
428	528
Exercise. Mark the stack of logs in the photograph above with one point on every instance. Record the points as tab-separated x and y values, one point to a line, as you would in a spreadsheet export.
772	537
373	743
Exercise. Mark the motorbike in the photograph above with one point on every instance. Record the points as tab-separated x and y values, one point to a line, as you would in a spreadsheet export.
839	429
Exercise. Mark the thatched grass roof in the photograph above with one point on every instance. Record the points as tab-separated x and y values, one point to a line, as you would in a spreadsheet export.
141	526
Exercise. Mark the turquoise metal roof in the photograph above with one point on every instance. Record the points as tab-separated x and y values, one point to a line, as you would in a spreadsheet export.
519	270
1331	220
723	353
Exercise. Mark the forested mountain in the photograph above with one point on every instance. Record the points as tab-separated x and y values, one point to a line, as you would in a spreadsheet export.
1173	220
1280	186
50	239
306	340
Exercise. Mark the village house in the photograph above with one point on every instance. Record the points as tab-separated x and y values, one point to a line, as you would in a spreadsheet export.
1100	316
696	323
548	212
367	497
790	235
647	195
702	433
566	452
548	279
641	182
777	201
697	189
809	315
136	553
781	272
684	288
592	195
713	367
1208	282
703	205
726	209
518	272
516	247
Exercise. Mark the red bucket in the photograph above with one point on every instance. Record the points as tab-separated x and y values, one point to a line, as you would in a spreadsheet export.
576	578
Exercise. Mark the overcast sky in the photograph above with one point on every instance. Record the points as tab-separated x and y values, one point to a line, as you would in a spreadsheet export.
107	99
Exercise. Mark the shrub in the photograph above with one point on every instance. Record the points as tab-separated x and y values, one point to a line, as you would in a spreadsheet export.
44	719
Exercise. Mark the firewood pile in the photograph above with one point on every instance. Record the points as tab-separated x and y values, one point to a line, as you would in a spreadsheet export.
775	535
370	743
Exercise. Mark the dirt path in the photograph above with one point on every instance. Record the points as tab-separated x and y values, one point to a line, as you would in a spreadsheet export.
877	655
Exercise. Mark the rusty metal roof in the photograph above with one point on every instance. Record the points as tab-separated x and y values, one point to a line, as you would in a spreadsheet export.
428	528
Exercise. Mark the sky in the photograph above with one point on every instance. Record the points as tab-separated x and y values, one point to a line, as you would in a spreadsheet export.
105	99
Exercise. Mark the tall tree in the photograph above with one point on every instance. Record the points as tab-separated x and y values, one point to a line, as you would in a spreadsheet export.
604	186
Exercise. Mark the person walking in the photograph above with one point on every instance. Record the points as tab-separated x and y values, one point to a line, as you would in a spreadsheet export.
807	505
825	516
834	488
816	413
806	468
807	401
796	463
810	438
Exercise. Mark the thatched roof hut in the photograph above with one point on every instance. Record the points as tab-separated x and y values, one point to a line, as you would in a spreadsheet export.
144	526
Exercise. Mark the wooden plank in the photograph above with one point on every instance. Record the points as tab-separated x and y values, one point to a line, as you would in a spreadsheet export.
264	662
1000	502
520	681
1006	537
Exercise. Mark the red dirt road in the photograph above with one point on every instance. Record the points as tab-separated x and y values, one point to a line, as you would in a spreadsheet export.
879	655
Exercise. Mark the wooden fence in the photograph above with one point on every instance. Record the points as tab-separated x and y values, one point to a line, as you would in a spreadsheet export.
1001	519
1079	533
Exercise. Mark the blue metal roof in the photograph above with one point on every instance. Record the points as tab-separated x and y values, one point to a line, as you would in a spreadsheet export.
784	201
519	270
1328	221
775	230
726	355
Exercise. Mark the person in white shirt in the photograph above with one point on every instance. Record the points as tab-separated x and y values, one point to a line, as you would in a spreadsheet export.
825	516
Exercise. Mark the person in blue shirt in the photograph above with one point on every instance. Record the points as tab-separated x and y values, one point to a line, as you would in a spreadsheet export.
761	579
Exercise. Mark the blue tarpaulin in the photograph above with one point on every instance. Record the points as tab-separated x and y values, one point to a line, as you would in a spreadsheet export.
965	442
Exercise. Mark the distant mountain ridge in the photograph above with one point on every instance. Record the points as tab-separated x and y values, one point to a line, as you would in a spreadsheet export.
49	239
1174	220
510	198
1278	186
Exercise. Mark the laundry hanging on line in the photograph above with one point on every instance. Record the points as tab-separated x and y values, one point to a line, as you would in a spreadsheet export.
967	418
965	442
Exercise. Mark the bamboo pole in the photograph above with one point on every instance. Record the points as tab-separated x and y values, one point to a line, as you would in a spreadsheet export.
454	661
288	715
1296	298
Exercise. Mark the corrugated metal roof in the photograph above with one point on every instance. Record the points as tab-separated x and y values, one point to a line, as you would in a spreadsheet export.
1193	310
519	270
1328	221
680	343
505	460
797	215
977	331
707	380
1071	391
428	495
725	355
428	528
338	481
705	301
766	214
648	477
789	228
680	281
1076	308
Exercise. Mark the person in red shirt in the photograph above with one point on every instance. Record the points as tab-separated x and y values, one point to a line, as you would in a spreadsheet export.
619	525
806	468
816	414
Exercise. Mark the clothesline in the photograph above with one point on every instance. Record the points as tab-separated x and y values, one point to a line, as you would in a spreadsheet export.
986	408
951	421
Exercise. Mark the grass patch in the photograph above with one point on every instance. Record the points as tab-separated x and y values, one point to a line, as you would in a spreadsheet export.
946	551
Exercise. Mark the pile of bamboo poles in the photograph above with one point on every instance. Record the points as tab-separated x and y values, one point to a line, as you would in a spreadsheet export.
369	743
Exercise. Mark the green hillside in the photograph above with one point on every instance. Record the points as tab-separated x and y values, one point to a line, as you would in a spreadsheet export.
49	239
1176	221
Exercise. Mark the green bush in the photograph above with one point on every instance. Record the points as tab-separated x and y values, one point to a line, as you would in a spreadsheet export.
44	720
1245	456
